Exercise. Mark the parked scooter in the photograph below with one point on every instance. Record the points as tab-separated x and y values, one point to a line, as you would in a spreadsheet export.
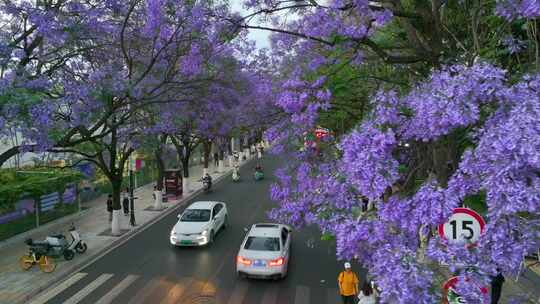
76	243
58	244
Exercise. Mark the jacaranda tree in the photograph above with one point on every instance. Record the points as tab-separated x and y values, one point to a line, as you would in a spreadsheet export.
462	132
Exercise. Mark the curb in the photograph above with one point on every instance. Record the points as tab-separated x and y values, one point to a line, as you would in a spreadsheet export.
120	241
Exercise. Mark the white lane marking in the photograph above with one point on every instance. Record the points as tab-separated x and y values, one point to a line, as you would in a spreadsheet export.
83	293
113	293
302	295
58	289
177	291
239	293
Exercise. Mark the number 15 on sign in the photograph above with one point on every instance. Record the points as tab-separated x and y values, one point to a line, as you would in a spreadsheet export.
464	226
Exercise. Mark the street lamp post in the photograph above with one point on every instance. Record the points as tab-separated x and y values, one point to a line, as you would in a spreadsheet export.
131	199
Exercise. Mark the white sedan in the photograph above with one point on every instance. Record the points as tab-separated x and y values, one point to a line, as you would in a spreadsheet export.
199	223
265	251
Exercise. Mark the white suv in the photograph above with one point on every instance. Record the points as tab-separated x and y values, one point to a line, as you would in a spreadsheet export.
265	251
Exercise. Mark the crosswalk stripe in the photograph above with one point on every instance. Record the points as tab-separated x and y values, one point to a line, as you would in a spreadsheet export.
302	295
141	295
210	287
270	295
332	296
113	293
239	293
58	289
76	298
177	291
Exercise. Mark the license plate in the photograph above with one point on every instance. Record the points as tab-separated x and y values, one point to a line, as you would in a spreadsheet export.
259	263
186	242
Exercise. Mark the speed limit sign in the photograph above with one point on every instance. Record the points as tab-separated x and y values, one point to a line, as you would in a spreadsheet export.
464	226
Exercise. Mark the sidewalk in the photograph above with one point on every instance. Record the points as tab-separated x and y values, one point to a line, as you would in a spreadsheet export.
527	287
17	286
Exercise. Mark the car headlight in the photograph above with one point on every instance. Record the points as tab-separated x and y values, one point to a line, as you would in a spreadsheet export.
205	232
173	233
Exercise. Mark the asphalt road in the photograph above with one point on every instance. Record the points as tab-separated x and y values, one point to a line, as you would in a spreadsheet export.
147	269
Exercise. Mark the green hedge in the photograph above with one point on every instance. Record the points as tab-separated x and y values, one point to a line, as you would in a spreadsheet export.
35	183
16	185
59	211
17	226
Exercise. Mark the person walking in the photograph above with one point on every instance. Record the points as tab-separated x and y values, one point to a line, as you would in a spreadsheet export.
109	207
366	295
216	159
496	287
348	284
125	202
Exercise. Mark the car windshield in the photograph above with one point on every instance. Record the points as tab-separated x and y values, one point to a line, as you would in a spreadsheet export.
262	243
196	215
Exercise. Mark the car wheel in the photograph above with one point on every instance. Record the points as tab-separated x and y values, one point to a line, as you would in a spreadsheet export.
68	254
81	247
225	222
211	239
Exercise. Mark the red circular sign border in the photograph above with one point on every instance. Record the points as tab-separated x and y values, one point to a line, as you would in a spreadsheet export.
468	211
451	282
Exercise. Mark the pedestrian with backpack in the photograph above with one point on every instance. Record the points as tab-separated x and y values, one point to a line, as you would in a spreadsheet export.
348	285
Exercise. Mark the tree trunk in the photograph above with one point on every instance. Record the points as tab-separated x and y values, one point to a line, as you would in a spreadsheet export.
185	166
6	155
160	163
445	158
207	146
160	168
116	184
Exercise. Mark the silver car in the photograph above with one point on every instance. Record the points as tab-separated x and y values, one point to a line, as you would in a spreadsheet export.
265	251
199	223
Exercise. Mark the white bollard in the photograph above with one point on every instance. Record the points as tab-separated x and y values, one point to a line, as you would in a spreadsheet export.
115	224
221	166
159	198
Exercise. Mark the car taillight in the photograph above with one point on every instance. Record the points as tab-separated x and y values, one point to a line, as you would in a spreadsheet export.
277	262
244	261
